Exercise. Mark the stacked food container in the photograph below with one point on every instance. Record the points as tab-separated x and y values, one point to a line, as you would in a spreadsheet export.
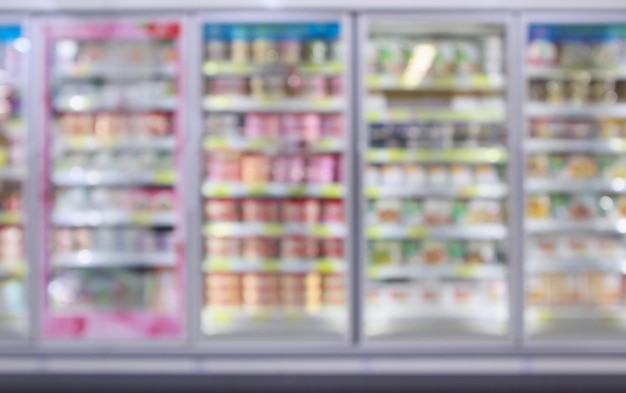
113	261
13	263
575	179
274	183
435	180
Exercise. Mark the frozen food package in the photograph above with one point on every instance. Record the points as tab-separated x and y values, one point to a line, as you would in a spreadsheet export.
385	252
258	248
388	210
437	211
222	247
538	207
259	210
222	210
434	252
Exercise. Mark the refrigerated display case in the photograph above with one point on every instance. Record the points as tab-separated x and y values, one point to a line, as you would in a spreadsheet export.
113	262
13	261
435	180
575	179
274	158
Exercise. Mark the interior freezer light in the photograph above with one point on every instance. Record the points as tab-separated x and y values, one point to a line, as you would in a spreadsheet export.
606	203
67	49
420	62
84	256
618	184
621	226
78	103
22	44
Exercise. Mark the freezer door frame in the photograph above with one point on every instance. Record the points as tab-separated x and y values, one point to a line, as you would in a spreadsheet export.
223	343
42	162
510	341
575	344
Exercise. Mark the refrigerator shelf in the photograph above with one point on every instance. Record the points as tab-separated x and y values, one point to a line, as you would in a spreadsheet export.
613	145
283	265
277	319
98	259
82	178
218	143
93	143
537	72
435	114
82	104
495	190
247	104
216	68
546	314
470	232
568	226
535	109
225	190
576	264
242	229
120	73
12	268
486	155
96	218
613	186
10	217
478	82
11	174
416	272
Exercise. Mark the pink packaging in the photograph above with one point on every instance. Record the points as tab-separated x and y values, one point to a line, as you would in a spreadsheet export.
312	210
297	168
336	86
271	125
333	125
223	167
290	125
293	210
253	125
332	210
315	86
311	127
322	168
262	125
280	169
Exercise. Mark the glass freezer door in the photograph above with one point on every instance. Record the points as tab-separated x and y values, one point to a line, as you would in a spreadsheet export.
13	261
575	180
275	217
435	180
113	262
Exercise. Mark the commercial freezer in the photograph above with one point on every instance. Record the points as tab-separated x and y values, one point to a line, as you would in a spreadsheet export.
112	223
